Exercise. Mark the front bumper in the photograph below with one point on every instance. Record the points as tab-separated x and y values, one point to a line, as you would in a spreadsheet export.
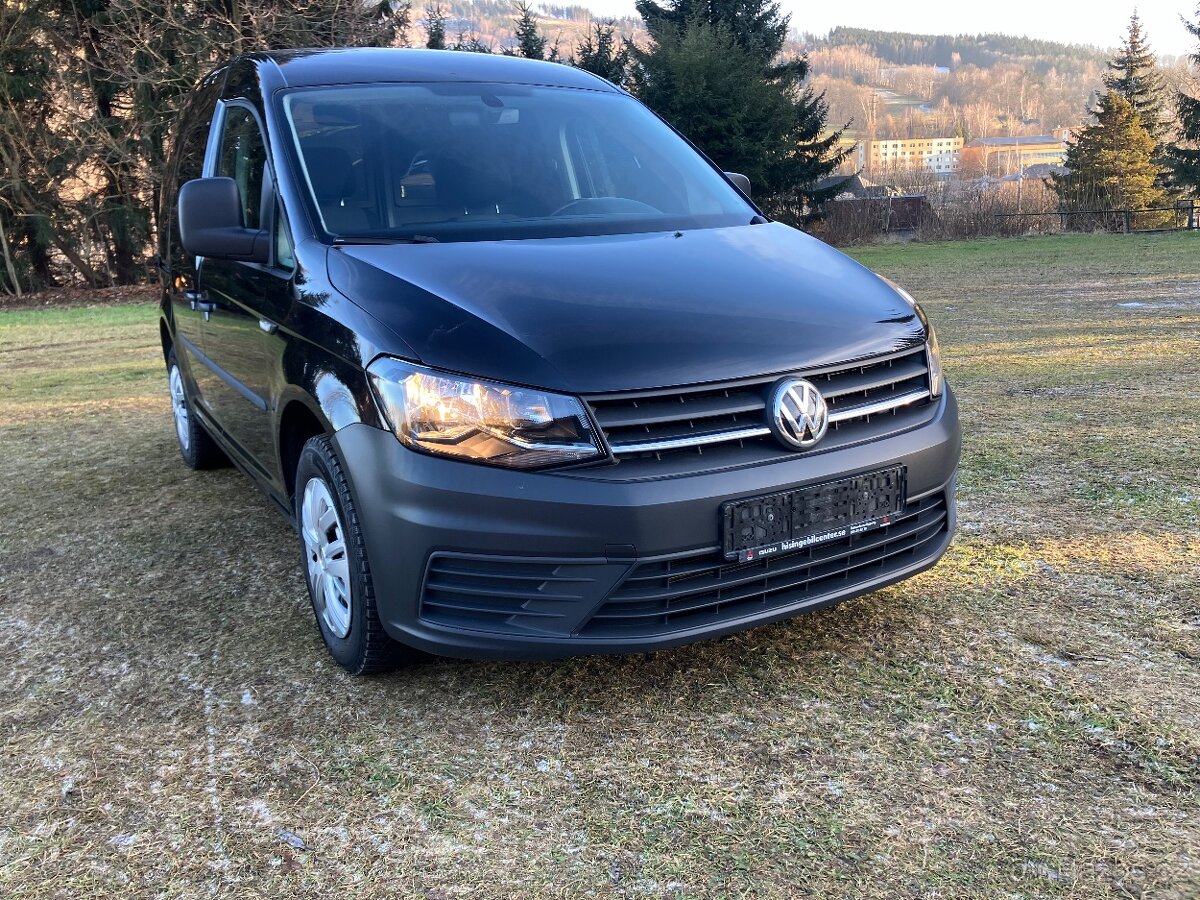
482	562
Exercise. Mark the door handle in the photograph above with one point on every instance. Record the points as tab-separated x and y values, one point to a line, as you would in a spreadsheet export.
268	326
198	301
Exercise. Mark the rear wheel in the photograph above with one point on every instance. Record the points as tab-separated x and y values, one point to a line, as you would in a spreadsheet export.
196	446
335	565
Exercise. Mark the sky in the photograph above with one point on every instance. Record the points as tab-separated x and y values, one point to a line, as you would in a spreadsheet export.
1101	23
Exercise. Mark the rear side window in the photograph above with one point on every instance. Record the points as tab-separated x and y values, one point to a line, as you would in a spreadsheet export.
243	158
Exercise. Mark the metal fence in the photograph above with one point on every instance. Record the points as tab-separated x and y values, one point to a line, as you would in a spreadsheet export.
1179	217
986	214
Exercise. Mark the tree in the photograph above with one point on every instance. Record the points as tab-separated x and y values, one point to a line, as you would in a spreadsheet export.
470	43
1133	73
600	53
89	90
1183	156
531	44
1110	164
712	71
757	26
435	27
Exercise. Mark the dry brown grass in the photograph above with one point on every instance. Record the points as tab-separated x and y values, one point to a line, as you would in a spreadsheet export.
1022	721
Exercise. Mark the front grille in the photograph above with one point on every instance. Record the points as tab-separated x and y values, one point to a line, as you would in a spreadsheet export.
702	588
683	430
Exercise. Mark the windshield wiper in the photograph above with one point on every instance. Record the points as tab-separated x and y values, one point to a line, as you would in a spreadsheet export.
368	241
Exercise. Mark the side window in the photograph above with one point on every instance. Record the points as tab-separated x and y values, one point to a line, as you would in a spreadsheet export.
283	242
243	158
192	137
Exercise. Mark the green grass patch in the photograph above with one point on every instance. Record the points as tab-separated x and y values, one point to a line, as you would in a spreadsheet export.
1021	721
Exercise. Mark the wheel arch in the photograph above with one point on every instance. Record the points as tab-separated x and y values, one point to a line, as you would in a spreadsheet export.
300	419
165	337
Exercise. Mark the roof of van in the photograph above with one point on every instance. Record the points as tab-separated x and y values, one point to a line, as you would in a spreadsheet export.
358	65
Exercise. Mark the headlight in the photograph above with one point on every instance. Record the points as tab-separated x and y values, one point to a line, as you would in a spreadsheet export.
481	421
933	353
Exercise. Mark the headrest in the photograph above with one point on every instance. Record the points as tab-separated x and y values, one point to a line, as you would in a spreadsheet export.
473	172
330	171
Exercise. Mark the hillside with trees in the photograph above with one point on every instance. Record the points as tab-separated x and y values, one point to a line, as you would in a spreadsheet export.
889	85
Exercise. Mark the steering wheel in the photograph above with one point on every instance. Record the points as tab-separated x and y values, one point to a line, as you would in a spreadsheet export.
592	206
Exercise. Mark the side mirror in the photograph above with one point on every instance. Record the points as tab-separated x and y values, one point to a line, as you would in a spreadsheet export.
210	222
740	181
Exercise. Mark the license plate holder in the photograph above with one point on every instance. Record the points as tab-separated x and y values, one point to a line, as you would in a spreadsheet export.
792	520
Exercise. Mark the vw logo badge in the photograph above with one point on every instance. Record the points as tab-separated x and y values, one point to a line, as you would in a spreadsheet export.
799	415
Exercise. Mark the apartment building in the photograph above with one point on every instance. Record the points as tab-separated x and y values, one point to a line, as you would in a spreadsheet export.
1002	156
940	155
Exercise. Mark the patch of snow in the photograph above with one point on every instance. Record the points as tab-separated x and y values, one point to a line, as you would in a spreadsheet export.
290	838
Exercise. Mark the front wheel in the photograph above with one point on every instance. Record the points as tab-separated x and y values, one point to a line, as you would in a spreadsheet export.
335	563
196	446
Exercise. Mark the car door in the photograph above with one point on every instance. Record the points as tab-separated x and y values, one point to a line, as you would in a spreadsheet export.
196	144
245	301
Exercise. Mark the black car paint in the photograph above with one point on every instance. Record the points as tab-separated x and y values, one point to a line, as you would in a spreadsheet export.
473	307
610	313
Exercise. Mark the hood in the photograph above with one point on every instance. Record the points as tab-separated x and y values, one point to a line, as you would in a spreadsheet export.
628	312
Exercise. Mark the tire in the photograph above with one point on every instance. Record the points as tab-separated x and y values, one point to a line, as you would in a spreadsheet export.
334	558
196	446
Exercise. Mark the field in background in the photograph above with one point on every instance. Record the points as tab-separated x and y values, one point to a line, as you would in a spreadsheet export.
1023	721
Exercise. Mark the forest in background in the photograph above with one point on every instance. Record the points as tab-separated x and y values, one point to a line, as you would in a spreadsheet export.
889	85
89	89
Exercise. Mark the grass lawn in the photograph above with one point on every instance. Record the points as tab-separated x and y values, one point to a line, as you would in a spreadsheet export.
1022	721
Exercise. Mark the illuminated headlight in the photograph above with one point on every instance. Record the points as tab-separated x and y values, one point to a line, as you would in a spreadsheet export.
481	421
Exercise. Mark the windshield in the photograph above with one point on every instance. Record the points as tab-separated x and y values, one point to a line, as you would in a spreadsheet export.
465	162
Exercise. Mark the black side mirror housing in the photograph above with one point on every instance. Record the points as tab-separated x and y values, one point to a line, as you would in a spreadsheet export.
210	222
740	181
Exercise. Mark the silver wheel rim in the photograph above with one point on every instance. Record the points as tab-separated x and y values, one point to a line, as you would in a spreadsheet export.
179	407
325	551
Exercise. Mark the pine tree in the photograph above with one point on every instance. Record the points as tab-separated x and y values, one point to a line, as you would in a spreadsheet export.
470	43
530	42
757	26
435	27
1110	164
1184	156
1133	73
600	53
712	71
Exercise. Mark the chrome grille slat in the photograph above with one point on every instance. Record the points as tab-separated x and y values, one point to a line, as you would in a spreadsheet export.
866	396
869	381
696	440
880	406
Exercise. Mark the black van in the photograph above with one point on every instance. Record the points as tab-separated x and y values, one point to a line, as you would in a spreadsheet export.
531	376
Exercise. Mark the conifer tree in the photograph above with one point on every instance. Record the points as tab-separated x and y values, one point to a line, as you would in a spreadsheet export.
531	44
470	43
601	54
1184	155
1110	163
713	71
757	26
1133	73
435	27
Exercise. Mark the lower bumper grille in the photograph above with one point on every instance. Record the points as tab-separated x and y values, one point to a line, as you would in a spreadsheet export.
704	589
518	595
